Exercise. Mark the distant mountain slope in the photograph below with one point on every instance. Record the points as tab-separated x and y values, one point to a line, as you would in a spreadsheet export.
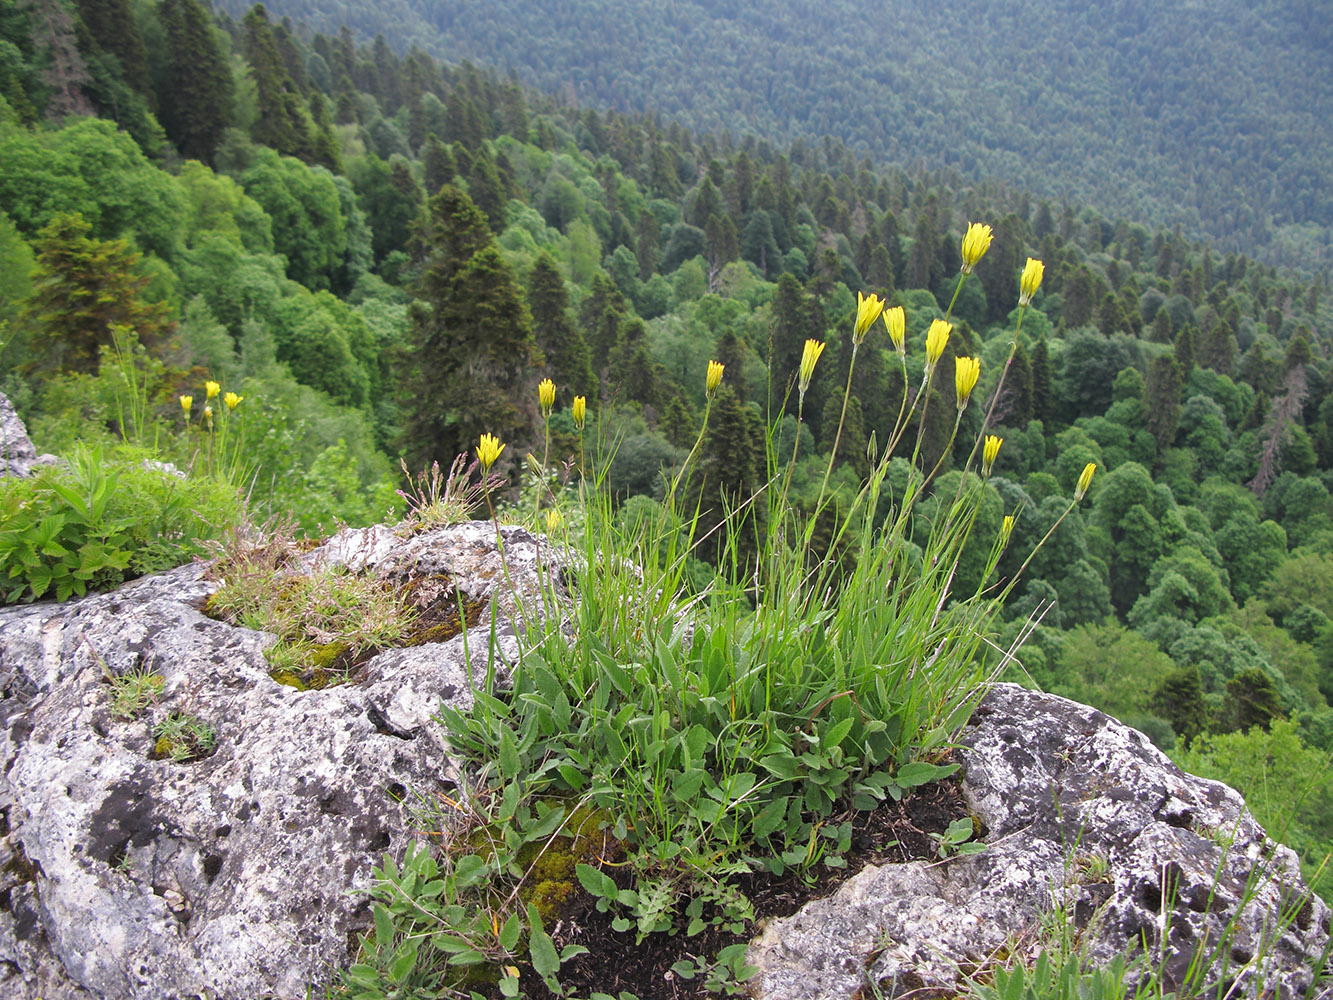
1212	115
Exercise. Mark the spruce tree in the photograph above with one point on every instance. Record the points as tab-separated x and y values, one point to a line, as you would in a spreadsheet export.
1042	400
788	333
1163	397
473	364
196	98
81	288
279	123
1179	700
568	360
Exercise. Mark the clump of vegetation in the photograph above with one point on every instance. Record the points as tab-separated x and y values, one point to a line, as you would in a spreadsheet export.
103	518
327	619
183	738
732	731
132	692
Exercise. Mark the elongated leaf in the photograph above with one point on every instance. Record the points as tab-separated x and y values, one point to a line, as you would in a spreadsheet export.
920	773
541	949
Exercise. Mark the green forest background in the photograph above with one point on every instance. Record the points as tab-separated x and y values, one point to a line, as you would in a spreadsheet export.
383	254
1211	116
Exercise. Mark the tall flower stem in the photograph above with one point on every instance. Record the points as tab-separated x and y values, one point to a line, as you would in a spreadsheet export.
837	438
698	442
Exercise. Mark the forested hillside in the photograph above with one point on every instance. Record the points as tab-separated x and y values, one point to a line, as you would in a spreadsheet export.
1215	117
380	255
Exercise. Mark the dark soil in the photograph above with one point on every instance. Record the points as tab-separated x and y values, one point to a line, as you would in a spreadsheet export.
895	832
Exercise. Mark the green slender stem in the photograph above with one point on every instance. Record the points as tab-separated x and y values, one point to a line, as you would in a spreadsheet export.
1005	593
956	421
541	481
703	429
837	438
800	412
999	387
924	396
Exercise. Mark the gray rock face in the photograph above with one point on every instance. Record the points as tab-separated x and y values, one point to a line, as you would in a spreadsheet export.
1084	817
18	456
235	876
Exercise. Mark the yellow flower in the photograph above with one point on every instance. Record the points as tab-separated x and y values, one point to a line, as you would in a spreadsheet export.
813	349
1084	481
714	379
976	241
1031	280
989	451
488	451
965	372
1006	529
867	311
552	520
208	417
546	395
186	403
580	410
211	389
936	337
232	400
896	321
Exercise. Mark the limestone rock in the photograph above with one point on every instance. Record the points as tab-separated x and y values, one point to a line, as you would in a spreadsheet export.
235	876
18	456
1083	814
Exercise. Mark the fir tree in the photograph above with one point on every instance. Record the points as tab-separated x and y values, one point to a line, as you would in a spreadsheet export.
568	360
1179	700
279	123
1163	396
81	288
196	98
1042	399
473	361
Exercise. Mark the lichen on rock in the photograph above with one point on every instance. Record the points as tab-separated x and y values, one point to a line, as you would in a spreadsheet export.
234	875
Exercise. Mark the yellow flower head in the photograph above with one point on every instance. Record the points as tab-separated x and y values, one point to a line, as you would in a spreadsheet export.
936	338
552	520
867	311
488	451
1006	529
989	451
1031	280
896	321
714	378
186	403
965	372
546	395
232	400
813	349
580	410
208	417
211	389
1084	481
976	241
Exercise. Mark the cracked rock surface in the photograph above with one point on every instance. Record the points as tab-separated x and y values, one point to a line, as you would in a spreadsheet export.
1082	815
234	876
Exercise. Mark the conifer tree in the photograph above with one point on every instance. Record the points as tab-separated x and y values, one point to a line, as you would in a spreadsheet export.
1179	700
473	360
567	357
81	288
1185	351
438	166
279	123
1163	390
116	32
790	329
730	465
196	98
1041	382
